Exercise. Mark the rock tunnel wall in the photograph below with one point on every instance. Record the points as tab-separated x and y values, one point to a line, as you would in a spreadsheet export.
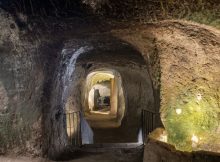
184	64
77	62
21	79
178	55
132	82
156	151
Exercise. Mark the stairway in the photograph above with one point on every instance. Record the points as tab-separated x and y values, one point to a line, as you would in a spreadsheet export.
117	152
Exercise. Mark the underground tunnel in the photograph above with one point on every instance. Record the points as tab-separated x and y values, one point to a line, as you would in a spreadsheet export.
99	95
104	99
109	81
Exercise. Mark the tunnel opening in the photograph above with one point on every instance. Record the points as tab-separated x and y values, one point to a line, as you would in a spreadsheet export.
103	108
182	71
103	90
106	90
112	105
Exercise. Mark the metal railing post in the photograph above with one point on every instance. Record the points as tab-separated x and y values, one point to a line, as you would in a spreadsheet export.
74	128
148	122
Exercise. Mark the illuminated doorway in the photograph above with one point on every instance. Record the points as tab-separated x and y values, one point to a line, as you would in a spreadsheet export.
104	99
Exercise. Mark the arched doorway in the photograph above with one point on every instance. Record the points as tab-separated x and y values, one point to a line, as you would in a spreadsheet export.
104	99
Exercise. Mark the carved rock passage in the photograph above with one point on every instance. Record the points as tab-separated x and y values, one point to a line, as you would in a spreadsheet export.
92	54
178	54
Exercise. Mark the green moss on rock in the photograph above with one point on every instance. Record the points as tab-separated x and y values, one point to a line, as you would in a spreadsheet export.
199	117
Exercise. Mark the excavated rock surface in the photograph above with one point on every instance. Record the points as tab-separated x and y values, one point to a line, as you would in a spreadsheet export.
179	54
184	63
156	151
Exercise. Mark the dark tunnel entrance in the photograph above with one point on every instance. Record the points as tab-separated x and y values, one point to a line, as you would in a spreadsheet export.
108	99
106	91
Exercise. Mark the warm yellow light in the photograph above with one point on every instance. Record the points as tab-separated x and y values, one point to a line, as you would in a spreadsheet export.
199	97
99	112
163	137
178	111
195	141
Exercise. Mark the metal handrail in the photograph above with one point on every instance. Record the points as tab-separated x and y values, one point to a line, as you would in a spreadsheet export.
148	122
73	126
73	120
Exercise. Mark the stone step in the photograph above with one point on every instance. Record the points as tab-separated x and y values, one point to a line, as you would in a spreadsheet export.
106	147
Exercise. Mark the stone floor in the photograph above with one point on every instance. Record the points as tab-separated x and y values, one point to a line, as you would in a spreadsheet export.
111	155
102	120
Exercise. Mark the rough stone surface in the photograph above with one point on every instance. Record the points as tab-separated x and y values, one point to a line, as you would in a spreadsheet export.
34	72
3	98
157	151
184	62
79	58
21	84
